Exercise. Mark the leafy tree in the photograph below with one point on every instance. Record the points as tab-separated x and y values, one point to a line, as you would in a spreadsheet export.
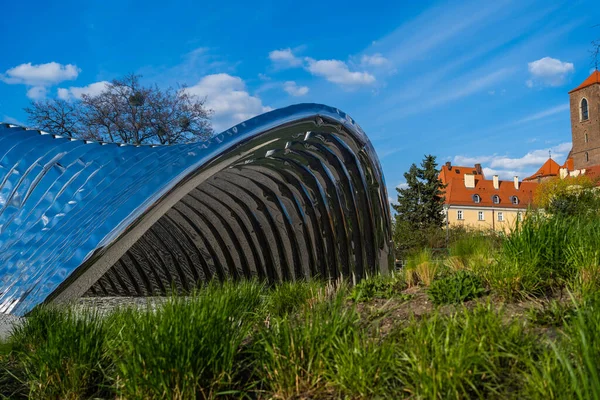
126	111
421	203
568	197
419	209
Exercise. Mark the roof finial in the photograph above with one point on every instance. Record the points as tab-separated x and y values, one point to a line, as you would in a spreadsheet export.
550	154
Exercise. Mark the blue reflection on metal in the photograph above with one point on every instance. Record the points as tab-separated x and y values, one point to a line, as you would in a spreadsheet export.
290	194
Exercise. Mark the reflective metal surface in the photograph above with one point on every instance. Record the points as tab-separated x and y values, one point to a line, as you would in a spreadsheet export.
291	194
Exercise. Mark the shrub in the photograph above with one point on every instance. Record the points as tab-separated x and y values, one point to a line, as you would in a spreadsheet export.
456	288
561	189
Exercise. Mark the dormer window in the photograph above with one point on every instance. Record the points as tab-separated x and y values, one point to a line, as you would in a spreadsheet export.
496	199
476	198
584	110
514	200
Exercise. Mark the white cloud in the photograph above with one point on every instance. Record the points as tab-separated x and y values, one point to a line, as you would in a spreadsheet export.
471	87
375	60
12	120
508	167
505	175
228	98
37	93
92	89
337	71
402	185
387	151
544	114
548	71
469	161
285	58
293	89
41	74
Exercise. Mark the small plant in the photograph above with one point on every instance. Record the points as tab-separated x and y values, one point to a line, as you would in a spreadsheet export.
552	313
456	288
421	268
378	287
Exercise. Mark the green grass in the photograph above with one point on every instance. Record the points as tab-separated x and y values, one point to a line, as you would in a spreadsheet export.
329	340
469	354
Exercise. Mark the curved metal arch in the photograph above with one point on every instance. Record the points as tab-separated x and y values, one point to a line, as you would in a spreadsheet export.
291	194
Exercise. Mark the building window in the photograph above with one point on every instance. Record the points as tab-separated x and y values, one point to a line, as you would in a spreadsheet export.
584	109
587	157
476	198
480	215
520	216
515	200
586	138
459	214
500	216
496	199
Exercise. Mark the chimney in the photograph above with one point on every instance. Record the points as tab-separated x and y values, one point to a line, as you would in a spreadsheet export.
517	182
449	165
496	183
470	181
478	169
564	173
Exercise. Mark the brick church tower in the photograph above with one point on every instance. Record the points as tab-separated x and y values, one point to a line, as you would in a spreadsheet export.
585	122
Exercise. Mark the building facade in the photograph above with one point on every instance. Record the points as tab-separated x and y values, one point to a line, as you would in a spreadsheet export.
473	201
585	122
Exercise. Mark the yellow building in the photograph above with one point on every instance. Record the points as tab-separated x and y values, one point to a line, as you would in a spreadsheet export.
475	202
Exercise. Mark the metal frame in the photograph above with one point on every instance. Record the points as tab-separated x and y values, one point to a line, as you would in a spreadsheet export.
291	194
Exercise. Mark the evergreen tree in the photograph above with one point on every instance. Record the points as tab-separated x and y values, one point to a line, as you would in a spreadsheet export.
421	203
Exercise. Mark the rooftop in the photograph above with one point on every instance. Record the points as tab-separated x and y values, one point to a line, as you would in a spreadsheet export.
591	80
458	194
450	172
550	168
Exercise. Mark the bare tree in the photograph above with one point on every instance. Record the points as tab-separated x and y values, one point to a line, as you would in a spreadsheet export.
595	52
126	112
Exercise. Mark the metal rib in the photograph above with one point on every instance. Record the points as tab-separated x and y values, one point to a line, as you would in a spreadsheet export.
291	194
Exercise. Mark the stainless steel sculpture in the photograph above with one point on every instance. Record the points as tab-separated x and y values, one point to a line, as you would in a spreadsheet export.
291	194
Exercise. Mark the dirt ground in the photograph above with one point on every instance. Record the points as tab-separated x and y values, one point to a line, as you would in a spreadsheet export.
413	304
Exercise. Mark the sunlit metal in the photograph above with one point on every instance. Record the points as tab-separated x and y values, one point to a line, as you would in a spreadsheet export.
291	194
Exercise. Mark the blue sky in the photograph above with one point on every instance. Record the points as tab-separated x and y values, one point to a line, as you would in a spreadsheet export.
467	81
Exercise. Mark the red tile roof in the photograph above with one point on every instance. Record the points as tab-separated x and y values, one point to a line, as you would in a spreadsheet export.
550	168
591	80
568	164
456	172
458	194
593	173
